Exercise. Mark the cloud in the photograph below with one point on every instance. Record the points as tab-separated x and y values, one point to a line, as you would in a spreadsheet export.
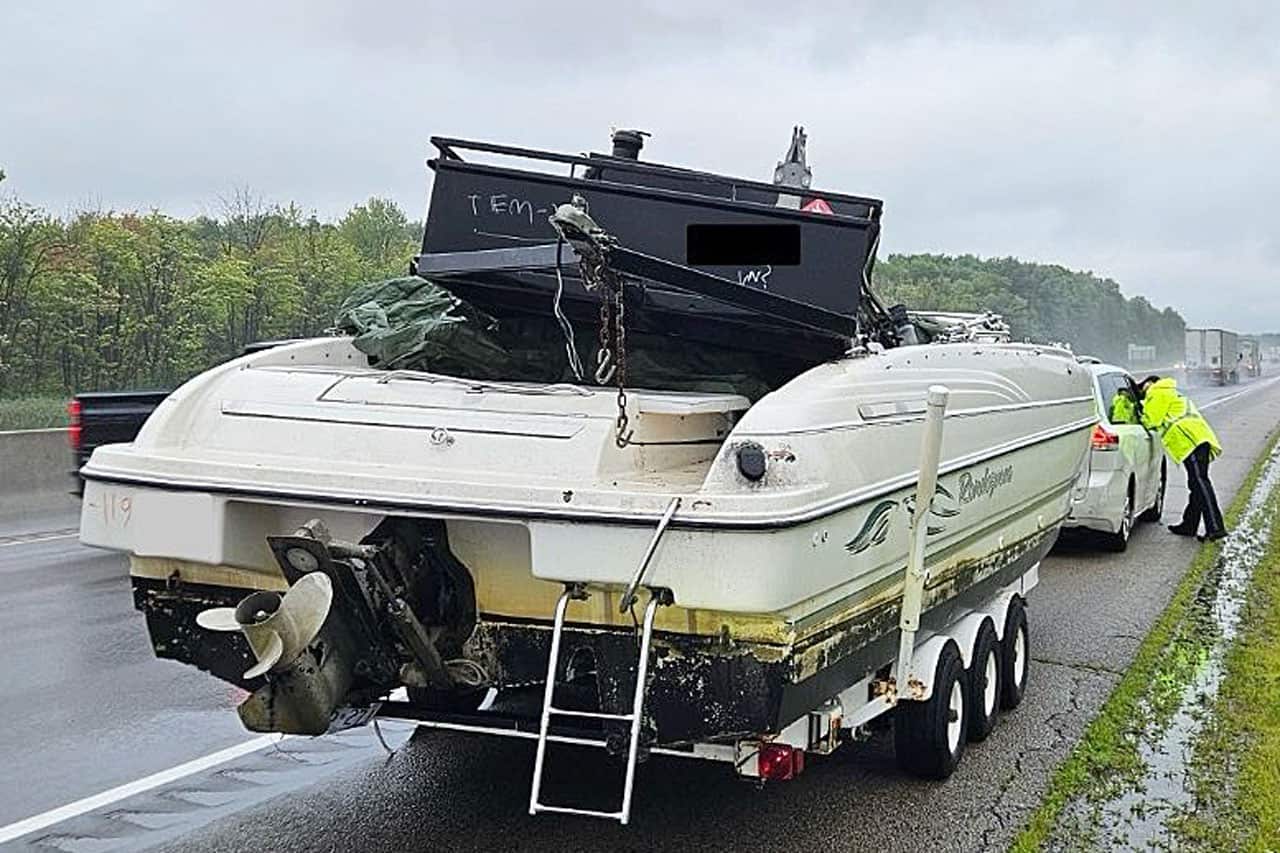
1133	141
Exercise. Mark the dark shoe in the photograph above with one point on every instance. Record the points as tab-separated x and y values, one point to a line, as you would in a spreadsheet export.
1182	531
1213	536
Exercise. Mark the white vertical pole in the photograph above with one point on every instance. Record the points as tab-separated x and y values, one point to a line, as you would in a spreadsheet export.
926	487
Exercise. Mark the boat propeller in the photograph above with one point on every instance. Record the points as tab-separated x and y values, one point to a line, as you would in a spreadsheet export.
303	652
277	627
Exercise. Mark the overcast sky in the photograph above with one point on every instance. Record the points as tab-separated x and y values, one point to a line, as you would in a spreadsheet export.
1142	144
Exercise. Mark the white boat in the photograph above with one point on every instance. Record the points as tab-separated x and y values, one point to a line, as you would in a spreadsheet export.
450	515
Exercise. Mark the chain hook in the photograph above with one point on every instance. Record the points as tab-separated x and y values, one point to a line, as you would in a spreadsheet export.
604	366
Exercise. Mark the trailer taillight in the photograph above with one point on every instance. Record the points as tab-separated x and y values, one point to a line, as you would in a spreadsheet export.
1104	439
74	436
780	761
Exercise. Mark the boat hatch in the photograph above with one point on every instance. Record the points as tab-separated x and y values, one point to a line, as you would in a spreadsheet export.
663	403
428	402
890	408
539	426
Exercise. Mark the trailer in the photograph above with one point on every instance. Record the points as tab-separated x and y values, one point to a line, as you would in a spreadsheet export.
942	683
1213	357
1251	356
987	644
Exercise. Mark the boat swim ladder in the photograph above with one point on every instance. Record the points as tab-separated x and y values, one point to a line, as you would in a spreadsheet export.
926	487
578	592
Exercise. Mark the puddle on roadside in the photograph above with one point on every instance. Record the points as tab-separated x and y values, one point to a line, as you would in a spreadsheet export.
1138	818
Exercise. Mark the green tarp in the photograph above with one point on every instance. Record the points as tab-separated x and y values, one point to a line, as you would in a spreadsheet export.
414	324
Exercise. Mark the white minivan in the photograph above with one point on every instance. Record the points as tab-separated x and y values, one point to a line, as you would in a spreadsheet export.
1124	475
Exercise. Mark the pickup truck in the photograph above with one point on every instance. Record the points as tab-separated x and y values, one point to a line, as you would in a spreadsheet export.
115	417
106	417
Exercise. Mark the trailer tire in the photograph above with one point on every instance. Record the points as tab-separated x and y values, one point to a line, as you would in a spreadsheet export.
929	736
984	683
1015	656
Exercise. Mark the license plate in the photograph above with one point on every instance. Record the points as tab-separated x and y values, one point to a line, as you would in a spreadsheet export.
351	717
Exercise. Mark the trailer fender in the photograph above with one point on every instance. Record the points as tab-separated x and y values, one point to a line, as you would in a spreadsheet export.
965	632
998	610
924	665
924	658
998	607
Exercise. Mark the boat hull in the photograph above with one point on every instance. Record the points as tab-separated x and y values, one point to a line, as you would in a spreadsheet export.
717	674
702	688
784	589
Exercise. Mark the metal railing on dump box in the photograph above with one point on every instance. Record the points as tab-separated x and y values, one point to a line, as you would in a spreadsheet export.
691	240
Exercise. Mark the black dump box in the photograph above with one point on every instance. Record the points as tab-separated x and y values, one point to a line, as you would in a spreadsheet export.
720	261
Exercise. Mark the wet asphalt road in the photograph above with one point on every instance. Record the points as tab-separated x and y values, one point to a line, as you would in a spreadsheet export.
87	707
87	704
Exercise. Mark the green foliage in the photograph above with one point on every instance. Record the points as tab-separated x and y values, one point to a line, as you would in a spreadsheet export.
130	300
1041	302
33	413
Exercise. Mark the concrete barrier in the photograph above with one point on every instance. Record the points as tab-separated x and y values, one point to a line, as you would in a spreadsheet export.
35	479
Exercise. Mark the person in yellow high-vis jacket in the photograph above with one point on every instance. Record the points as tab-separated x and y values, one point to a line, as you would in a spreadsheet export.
1190	442
1124	409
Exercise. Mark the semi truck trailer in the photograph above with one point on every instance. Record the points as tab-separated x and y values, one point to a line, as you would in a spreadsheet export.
1213	357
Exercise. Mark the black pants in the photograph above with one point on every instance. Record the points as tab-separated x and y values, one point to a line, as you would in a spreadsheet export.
1203	502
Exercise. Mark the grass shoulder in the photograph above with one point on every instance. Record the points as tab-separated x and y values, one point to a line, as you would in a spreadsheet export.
1108	755
33	413
1235	763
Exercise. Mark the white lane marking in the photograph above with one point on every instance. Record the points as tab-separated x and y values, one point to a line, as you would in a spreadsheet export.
120	792
33	539
1255	386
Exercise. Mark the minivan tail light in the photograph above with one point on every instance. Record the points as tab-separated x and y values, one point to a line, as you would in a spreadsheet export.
74	427
1104	439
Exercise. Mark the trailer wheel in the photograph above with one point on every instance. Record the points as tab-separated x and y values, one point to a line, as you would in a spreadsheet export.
1015	657
929	736
984	683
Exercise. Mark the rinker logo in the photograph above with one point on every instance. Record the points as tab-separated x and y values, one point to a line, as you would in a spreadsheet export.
972	488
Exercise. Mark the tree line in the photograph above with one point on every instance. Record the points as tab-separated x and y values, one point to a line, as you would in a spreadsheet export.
1041	302
105	300
108	300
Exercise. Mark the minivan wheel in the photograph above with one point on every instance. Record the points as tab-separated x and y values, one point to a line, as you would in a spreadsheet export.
1157	509
1119	540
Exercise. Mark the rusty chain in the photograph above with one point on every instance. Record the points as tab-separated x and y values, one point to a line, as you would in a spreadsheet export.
611	357
622	436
